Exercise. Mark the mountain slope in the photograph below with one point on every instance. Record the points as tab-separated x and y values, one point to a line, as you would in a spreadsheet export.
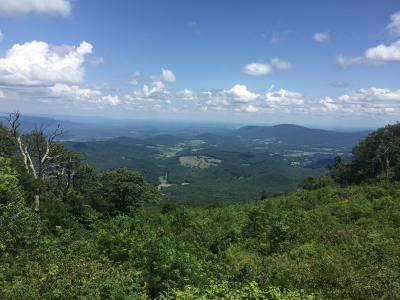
295	135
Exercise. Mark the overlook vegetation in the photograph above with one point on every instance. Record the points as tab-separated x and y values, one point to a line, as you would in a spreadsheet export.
69	232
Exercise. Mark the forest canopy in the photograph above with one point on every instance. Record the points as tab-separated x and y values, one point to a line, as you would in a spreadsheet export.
68	231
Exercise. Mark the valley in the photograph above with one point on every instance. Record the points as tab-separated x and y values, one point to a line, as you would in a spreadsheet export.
224	166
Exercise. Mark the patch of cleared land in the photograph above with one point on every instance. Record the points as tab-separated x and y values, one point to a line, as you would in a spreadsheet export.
171	151
196	142
167	152
202	162
164	182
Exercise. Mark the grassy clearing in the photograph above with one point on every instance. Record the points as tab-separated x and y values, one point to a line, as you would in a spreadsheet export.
167	152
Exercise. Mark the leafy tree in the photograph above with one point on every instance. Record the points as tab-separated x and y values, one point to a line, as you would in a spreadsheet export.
125	191
378	155
17	226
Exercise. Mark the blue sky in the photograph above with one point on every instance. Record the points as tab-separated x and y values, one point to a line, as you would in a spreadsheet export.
307	62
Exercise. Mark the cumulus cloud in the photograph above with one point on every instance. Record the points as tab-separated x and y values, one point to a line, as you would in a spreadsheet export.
67	93
262	69
375	55
364	101
328	104
371	95
156	87
186	95
321	37
82	94
284	97
240	92
379	54
38	63
166	76
46	7
250	108
74	91
239	99
384	53
394	25
257	69
112	100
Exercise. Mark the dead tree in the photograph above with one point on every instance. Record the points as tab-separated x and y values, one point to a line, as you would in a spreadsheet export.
36	149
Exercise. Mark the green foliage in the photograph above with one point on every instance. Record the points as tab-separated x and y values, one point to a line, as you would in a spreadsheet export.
314	183
103	236
7	145
125	191
376	157
17	224
243	170
223	290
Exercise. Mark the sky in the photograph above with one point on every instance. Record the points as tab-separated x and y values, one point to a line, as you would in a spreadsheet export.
305	62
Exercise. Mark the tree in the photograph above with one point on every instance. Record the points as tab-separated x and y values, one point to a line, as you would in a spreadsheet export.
16	221
123	190
37	149
7	145
377	156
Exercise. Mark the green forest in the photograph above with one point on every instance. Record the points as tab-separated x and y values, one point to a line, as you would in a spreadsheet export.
68	231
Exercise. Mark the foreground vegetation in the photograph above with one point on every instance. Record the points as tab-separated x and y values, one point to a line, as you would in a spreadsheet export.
72	233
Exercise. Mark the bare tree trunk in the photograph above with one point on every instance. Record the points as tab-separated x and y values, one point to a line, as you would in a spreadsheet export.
36	203
35	162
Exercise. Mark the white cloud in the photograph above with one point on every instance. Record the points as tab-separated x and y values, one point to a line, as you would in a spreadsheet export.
1	36
384	53
23	7
329	104
381	53
38	63
321	37
75	91
284	98
112	100
97	61
66	93
364	102
280	64
240	92
371	95
250	108
156	87
257	69
262	69
394	25
166	76
2	94
186	95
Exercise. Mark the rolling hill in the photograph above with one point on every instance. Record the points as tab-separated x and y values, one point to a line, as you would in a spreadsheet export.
295	135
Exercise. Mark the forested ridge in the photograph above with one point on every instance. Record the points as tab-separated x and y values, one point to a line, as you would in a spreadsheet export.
69	232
